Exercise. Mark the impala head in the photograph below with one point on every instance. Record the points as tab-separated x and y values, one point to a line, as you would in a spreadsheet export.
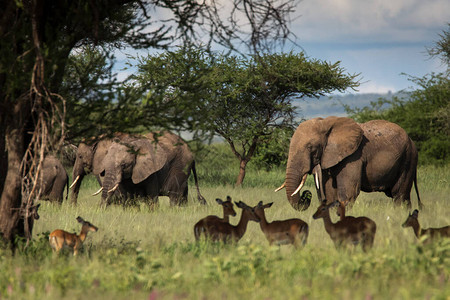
33	211
228	208
322	210
341	209
259	209
86	224
249	211
412	219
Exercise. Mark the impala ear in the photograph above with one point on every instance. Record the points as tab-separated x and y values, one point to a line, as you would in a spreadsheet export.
344	137
260	204
228	198
150	158
269	204
415	213
241	204
219	201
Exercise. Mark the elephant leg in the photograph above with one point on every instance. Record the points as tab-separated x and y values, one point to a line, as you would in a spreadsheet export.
348	182
176	187
329	186
401	191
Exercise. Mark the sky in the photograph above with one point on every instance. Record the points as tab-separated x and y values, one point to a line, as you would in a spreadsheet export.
381	39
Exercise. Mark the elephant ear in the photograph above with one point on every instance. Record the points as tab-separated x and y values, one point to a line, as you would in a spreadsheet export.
344	137
150	158
100	149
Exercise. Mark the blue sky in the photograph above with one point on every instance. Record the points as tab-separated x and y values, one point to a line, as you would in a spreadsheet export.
378	38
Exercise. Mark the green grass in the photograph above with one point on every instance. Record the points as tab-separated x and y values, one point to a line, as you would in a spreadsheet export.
140	252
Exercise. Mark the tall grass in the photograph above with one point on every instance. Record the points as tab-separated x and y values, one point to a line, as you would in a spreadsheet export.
144	252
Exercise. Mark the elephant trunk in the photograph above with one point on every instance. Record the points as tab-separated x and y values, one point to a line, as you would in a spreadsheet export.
295	179
110	184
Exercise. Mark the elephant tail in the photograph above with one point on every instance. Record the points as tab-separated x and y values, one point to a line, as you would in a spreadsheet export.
417	192
200	198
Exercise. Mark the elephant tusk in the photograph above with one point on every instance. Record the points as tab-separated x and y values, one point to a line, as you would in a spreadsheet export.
97	192
300	185
75	181
114	188
281	187
316	180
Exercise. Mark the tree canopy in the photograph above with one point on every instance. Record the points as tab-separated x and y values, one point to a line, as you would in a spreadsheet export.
243	100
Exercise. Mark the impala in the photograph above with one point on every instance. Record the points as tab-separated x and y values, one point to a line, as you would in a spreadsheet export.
350	230
60	239
291	231
430	233
201	227
224	231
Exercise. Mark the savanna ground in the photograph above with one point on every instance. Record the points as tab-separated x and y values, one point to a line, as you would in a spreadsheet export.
151	253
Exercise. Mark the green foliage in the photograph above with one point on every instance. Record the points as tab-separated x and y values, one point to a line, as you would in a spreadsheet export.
441	48
424	114
274	152
243	100
88	86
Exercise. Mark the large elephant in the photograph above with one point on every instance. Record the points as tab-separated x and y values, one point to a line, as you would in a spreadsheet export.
89	156
53	180
347	157
158	164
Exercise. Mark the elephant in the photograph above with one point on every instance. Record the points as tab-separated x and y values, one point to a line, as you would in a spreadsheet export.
53	179
157	164
348	157
89	156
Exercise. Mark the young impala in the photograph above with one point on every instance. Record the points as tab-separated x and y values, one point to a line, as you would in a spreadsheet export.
350	230
201	227
431	233
224	231
60	239
291	231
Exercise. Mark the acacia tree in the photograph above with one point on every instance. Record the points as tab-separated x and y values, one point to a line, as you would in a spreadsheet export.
243	100
36	39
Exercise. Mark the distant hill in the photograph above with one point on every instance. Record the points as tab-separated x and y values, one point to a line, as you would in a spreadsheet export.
333	105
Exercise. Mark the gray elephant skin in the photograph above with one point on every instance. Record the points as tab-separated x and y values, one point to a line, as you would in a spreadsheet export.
89	157
346	158
156	164
53	180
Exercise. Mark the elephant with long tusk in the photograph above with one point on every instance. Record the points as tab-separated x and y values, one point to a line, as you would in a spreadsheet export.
346	157
89	156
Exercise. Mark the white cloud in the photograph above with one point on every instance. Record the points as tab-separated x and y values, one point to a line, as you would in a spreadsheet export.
383	20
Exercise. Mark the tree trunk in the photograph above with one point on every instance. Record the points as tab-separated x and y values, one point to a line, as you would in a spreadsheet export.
241	176
11	197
